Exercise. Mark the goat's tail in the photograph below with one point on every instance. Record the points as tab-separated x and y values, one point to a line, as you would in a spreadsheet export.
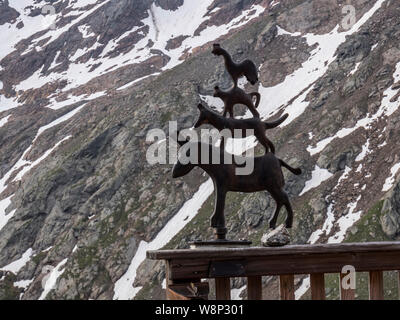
258	97
250	71
273	124
296	171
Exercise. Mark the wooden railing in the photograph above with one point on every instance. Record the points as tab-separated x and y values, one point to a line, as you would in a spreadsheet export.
188	269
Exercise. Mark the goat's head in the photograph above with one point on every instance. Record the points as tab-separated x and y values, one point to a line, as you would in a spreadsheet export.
181	167
217	92
217	50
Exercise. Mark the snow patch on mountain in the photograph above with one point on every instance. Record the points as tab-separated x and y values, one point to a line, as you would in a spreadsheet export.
346	221
326	227
317	177
31	164
52	279
315	67
391	179
389	104
163	26
123	289
17	265
4	120
364	152
4	204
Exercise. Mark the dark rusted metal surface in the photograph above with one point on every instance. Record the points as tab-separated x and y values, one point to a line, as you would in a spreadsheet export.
237	96
239	126
266	175
245	68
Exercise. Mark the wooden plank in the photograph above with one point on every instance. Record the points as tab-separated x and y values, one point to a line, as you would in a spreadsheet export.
188	291
286	287
168	281
317	283
223	288
254	288
234	253
376	285
227	268
345	294
175	295
295	264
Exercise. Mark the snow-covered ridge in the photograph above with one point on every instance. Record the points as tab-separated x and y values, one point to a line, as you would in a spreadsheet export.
317	177
162	26
300	82
124	289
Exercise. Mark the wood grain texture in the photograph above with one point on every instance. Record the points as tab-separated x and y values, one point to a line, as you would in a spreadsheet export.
317	283
223	288
288	264
286	287
233	253
345	294
254	288
185	266
376	285
188	291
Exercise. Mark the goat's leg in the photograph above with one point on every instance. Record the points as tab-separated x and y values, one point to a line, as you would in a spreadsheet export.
253	110
272	223
267	144
288	206
281	199
218	218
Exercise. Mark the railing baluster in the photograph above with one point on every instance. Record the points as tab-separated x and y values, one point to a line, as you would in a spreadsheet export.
254	288
223	288
317	281
186	268
376	285
286	286
345	294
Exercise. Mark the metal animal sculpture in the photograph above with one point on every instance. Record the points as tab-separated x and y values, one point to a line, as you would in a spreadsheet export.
245	68
219	122
267	175
237	96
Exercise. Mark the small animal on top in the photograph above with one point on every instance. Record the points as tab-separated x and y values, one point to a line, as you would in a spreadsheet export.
237	96
245	68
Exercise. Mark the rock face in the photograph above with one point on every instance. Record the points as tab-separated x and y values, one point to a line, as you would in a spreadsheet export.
7	14
390	219
276	238
79	199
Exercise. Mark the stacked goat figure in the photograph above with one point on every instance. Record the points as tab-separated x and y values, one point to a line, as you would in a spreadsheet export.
224	168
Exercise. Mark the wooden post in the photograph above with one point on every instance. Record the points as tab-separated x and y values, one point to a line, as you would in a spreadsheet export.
223	288
345	294
286	286
254	288
191	290
317	281
376	285
175	294
188	291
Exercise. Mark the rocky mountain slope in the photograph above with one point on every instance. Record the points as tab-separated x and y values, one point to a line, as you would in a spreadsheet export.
83	82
